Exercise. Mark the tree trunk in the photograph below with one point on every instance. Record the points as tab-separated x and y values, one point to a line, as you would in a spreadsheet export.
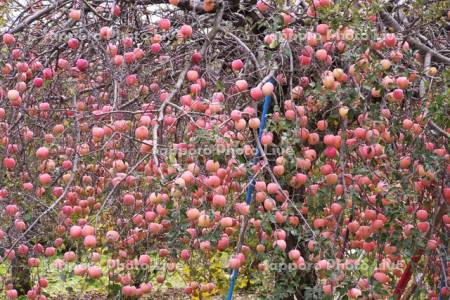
305	278
21	275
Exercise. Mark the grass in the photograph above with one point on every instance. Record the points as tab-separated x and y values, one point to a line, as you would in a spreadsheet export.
63	284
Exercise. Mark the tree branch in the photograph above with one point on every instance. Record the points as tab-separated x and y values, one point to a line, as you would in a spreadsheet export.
39	14
414	42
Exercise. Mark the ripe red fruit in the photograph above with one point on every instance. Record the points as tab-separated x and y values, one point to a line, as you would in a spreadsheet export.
94	272
269	39
262	6
242	85
193	214
16	54
423	226
8	39
42	153
407	124
322	29
116	10
321	54
98	133
432	245
185	31
9	163
327	289
73	43
381	277
128	199
336	208
353	226
70	256
322	265
256	93
330	152
75	232
269	204
11	294
131	80
294	254
90	241
354	293
11	209
300	179
405	162
237	65
63	64
13	95
112	236
398	94
106	33
369	246
422	215
195	88
402	82
75	14
118	60
267	88
446	193
323	3
304	60
226	222
273	188
45	179
164	24
129	57
144	259
234	263
127	42
50	251
38	82
185	254
192	75
82	64
155	48
322	125
196	58
253	123
79	270
390	40
287	19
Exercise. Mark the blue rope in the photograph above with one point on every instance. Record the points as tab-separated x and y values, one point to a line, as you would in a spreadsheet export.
251	186
233	278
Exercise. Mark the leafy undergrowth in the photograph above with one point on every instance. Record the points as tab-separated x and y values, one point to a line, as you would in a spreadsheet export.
172	294
97	295
63	285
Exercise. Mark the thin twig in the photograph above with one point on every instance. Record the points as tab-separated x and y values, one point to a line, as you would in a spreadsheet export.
416	43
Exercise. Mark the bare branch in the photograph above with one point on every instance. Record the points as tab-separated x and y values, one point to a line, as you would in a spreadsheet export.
413	41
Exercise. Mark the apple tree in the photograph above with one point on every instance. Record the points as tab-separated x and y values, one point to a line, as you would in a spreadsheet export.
132	132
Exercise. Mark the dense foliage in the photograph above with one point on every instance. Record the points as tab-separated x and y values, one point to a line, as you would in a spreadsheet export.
128	131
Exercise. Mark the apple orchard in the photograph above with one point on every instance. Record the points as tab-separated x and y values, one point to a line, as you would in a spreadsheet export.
107	110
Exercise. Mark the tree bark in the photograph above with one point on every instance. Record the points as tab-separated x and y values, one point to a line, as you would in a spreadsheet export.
307	278
21	275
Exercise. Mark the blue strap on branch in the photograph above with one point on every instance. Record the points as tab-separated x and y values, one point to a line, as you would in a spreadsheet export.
251	185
